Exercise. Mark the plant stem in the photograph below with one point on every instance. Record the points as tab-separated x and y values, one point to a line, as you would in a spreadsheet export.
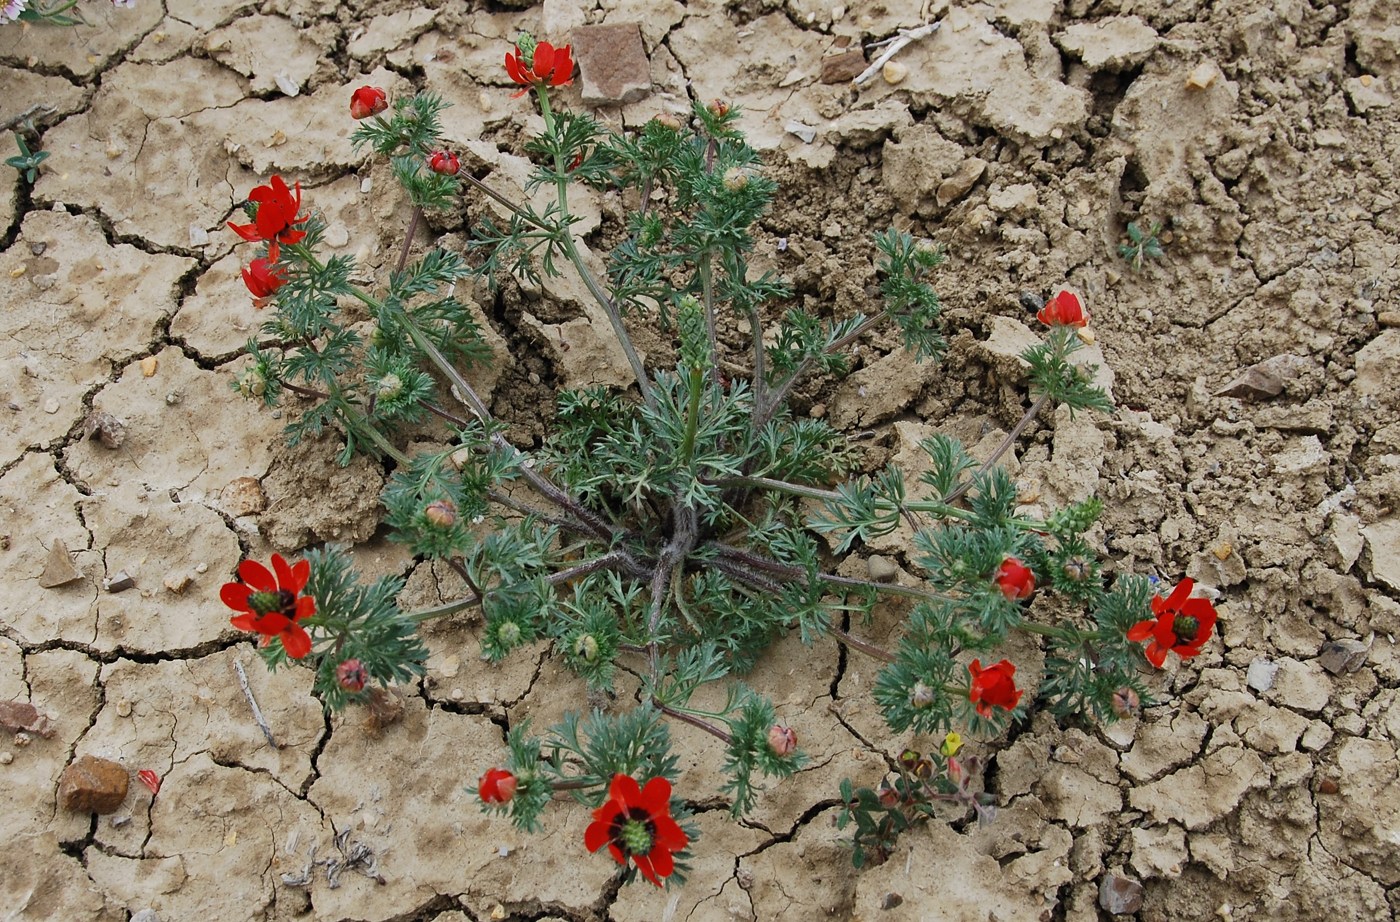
706	271
694	721
1001	449
763	412
869	649
408	239
611	560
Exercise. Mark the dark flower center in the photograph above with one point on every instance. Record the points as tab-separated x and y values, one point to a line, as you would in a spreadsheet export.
1185	628
279	602
634	831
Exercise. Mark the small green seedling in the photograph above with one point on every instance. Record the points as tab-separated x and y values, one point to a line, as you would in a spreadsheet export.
1141	244
27	162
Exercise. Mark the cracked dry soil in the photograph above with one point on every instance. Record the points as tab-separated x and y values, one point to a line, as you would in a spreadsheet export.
1022	137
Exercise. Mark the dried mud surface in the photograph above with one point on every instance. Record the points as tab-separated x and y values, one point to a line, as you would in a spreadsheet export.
1023	137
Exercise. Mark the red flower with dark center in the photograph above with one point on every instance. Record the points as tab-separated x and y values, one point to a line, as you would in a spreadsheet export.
367	101
994	686
274	216
551	67
444	162
263	279
1183	625
1015	579
497	786
635	822
272	605
1063	310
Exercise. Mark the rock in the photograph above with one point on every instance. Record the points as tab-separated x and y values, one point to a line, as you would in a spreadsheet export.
93	785
1260	676
1347	655
1120	895
843	67
1114	44
145	915
1301	686
613	63
894	73
1366	93
109	431
962	180
243	496
1264	379
1202	76
1384	540
58	568
881	568
23	717
119	581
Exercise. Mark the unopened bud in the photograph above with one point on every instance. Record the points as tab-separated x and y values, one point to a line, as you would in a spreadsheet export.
441	512
951	744
1077	569
736	178
1126	702
668	120
252	383
782	740
509	634
351	675
587	648
923	769
389	387
921	696
718	108
909	758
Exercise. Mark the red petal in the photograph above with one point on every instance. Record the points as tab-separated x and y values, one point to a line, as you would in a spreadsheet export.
1156	654
514	68
283	573
669	834
301	573
235	596
306	607
644	865
1141	631
544	60
150	779
563	67
257	576
246	231
625	792
974	669
656	797
296	641
661	861
271	220
246	622
596	835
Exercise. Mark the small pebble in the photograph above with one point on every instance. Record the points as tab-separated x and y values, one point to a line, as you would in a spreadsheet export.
149	365
894	72
124	708
458	694
38	247
6	758
177	582
51	405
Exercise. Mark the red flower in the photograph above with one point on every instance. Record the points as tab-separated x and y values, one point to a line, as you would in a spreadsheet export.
276	212
636	823
444	162
496	786
271	607
263	279
1063	310
552	67
1183	625
994	686
1015	579
351	675
367	101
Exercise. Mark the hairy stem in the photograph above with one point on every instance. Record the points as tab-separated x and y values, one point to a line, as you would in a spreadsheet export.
694	721
609	561
869	649
1001	449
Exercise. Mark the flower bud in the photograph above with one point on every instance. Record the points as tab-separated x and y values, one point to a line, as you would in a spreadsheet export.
497	786
718	108
668	120
441	512
782	740
1078	569
587	648
1015	579
252	383
736	178
888	795
951	744
923	769
389	387
1126	702
351	675
367	101
444	162
921	696
509	634
909	758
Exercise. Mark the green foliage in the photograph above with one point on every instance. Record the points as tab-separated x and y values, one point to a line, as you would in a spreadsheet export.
1143	244
27	161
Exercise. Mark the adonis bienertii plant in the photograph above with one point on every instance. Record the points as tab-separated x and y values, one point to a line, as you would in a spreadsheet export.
678	528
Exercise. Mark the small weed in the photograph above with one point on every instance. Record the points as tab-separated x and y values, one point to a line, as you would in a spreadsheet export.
1142	244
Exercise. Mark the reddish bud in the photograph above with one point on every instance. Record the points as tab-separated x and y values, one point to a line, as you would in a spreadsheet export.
150	779
1063	310
351	675
782	740
444	162
1015	580
668	120
1126	702
497	786
441	512
718	108
367	101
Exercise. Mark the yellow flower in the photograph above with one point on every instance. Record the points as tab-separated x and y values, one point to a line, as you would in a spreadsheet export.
951	744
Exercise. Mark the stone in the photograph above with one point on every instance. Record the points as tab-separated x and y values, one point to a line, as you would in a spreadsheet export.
119	581
109	431
1301	686
93	785
243	496
1119	895
1260	676
1346	655
843	67
58	568
23	717
961	182
1378	367
882	569
1265	379
613	63
1384	540
894	73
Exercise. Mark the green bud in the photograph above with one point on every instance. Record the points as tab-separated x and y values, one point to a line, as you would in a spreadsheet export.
587	648
527	43
509	634
389	387
252	383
